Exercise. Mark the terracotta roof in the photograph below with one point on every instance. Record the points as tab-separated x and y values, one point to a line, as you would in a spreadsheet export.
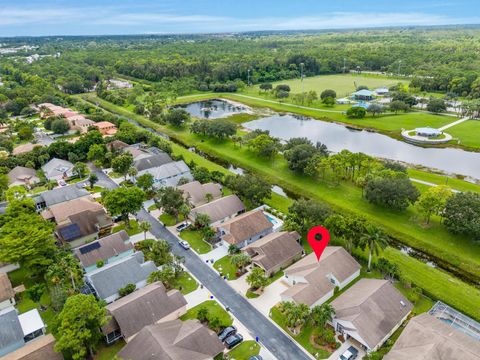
196	192
245	226
143	307
426	337
173	340
6	290
221	208
104	124
274	249
108	247
39	349
334	261
374	307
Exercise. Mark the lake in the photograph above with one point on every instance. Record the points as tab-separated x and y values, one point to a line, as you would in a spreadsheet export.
213	109
338	137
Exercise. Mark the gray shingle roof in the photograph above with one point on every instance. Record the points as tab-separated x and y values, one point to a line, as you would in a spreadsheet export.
10	329
61	194
221	208
152	161
56	167
109	279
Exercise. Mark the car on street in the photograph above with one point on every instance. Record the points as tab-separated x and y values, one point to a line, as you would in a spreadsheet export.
350	354
184	244
182	226
233	340
256	357
225	333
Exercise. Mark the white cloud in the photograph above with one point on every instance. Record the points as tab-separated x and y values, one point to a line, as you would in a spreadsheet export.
122	18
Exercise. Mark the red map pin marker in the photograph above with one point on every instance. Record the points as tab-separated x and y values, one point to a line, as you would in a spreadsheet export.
318	245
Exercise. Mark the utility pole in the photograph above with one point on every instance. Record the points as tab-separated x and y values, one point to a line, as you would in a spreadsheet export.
344	65
301	75
399	64
248	77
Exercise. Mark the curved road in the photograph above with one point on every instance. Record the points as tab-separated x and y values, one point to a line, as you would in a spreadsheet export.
270	336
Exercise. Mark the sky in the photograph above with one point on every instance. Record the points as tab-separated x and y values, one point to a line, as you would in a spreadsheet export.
115	17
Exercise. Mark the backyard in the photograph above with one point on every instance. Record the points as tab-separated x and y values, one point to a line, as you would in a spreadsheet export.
214	311
195	239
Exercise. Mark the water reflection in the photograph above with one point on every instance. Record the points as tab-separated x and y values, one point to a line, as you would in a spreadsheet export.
338	137
213	109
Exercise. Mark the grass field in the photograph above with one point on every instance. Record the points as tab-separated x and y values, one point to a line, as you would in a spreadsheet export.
439	284
195	239
244	351
226	268
343	84
214	310
468	132
438	179
108	352
133	230
185	283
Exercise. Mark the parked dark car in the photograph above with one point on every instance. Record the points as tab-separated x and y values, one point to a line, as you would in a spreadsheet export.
233	340
225	333
350	354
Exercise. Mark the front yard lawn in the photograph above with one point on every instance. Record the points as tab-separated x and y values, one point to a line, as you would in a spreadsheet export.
244	351
108	352
169	220
133	230
226	268
186	283
214	311
195	239
303	338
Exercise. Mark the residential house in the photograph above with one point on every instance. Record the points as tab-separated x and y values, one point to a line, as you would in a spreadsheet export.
363	95
173	340
196	193
16	330
369	312
244	229
150	305
59	195
7	295
106	281
118	84
41	348
426	337
116	145
25	148
381	91
20	175
58	169
220	210
80	123
168	174
106	128
105	250
275	251
79	221
151	161
313	282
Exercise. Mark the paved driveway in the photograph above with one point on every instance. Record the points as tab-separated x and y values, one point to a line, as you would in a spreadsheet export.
345	346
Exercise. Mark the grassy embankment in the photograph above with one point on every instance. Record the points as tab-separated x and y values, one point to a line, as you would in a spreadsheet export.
404	226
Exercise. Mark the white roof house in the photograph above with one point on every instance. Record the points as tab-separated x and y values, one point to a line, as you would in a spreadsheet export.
31	323
168	174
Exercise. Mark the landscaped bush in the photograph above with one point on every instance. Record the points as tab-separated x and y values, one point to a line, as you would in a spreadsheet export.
128	289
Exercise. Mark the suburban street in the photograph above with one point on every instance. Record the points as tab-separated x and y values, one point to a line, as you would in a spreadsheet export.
270	336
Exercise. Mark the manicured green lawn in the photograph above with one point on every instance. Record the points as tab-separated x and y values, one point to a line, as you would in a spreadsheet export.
303	338
468	132
226	268
195	239
214	310
244	350
343	84
152	207
133	230
438	179
186	283
169	220
108	352
439	284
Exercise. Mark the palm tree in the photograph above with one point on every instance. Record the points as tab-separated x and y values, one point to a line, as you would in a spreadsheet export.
296	315
145	226
322	314
132	172
184	210
375	240
240	260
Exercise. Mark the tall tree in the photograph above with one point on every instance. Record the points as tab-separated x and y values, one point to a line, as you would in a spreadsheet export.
171	200
78	326
124	201
374	240
322	314
433	201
